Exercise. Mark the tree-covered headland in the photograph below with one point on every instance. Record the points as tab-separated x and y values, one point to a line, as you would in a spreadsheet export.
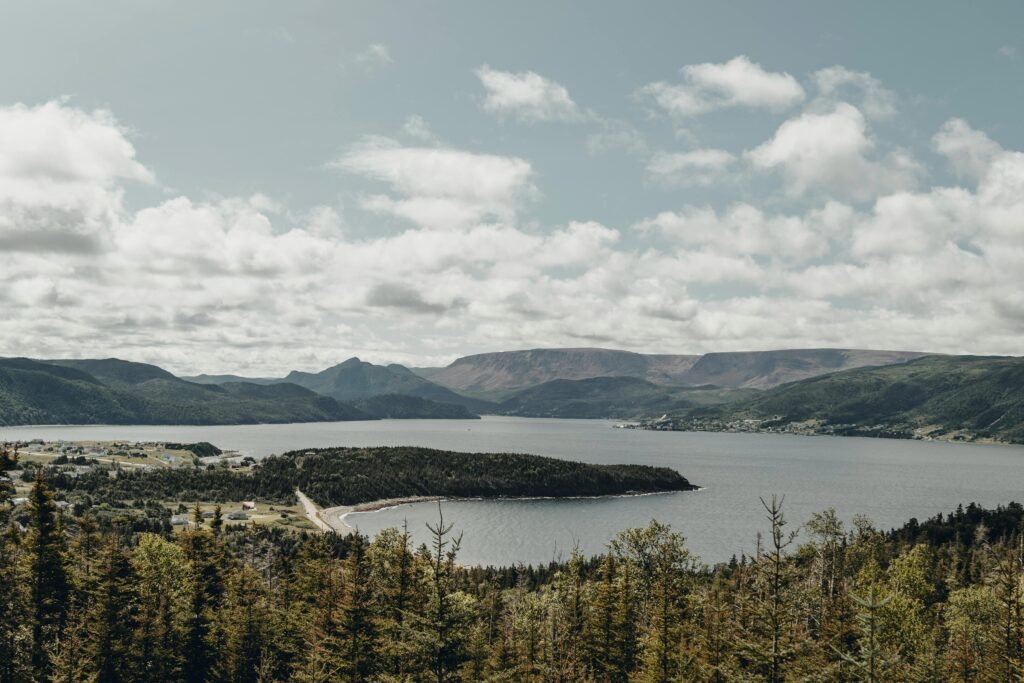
88	598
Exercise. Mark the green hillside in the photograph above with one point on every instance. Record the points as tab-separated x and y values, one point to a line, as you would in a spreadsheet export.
951	397
115	370
611	397
403	407
33	392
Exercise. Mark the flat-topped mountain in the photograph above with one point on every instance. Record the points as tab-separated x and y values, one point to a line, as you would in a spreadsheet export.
507	371
767	369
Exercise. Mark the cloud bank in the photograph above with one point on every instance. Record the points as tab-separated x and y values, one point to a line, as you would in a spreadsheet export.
859	250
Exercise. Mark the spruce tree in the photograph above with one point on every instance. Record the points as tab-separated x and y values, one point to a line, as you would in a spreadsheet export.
207	594
15	631
47	573
357	629
163	586
441	628
217	523
605	625
110	629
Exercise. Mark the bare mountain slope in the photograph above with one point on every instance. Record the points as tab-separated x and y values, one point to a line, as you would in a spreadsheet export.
766	369
492	373
506	370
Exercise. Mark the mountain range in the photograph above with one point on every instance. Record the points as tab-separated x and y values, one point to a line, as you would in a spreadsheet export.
891	393
354	380
113	391
491	375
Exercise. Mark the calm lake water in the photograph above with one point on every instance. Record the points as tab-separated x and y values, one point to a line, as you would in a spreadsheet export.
890	481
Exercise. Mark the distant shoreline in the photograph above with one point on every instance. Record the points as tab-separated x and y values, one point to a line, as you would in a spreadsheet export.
866	434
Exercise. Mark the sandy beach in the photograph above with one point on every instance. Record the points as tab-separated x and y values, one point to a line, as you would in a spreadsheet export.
333	518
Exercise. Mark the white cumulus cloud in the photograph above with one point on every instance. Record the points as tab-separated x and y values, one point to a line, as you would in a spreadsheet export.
831	152
739	82
969	152
441	183
527	96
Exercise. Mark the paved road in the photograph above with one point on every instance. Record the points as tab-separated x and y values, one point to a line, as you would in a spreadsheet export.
322	519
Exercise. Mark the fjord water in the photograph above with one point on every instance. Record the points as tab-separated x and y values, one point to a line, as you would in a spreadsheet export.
890	481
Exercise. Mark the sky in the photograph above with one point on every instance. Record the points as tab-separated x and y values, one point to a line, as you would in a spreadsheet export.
258	186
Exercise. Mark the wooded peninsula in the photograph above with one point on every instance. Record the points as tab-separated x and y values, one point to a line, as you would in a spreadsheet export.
90	596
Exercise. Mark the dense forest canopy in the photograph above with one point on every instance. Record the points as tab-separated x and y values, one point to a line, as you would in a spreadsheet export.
346	476
932	601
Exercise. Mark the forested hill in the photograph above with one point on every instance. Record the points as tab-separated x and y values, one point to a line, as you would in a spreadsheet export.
113	391
355	380
950	397
611	397
347	476
404	407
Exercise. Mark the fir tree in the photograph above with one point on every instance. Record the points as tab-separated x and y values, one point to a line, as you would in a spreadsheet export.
217	523
110	628
48	576
207	593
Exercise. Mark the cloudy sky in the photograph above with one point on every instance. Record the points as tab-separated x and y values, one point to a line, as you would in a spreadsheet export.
261	186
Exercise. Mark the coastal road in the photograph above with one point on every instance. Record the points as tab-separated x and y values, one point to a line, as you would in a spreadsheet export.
328	521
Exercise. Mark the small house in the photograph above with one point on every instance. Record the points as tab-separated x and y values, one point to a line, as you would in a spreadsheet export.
248	505
238	516
179	520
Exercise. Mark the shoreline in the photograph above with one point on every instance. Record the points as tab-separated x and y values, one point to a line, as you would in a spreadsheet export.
982	441
335	517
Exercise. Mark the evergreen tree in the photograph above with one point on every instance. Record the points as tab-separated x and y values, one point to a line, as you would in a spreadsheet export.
69	655
394	579
207	594
871	660
15	631
163	586
8	458
356	628
248	623
441	628
569	618
47	573
317	613
1005	580
605	627
217	523
768	638
110	627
